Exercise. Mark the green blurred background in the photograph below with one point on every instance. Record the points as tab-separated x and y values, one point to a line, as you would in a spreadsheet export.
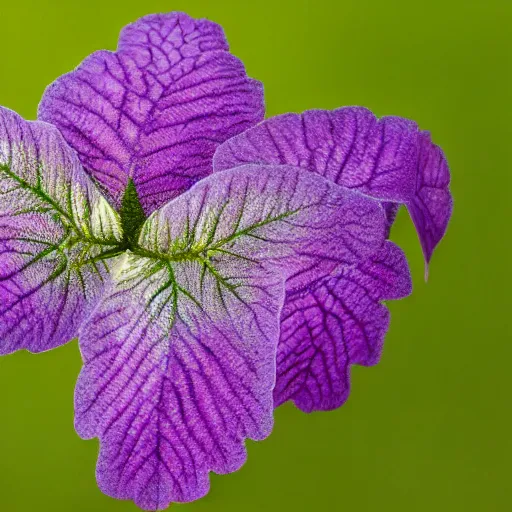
430	427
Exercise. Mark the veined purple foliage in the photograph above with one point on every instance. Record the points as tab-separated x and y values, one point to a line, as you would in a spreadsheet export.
211	267
389	159
179	356
55	226
340	320
334	322
156	109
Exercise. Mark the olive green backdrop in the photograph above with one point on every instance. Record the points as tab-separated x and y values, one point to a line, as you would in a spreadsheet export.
430	427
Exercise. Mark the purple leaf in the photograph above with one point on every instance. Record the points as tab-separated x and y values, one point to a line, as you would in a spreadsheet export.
179	356
54	228
389	159
431	205
157	108
333	323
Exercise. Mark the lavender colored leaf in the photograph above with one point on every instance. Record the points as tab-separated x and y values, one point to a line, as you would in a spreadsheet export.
54	228
179	356
335	322
389	159
155	110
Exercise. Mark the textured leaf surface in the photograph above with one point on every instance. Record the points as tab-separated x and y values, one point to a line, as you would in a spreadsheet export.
180	354
157	108
333	323
389	159
54	227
